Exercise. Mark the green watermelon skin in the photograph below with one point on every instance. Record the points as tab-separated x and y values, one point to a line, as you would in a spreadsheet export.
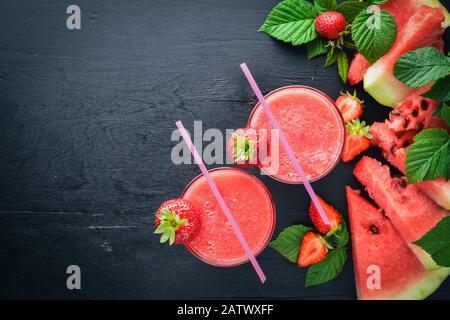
402	276
411	212
423	29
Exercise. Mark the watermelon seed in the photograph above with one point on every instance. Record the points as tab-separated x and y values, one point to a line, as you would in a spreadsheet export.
374	229
424	104
419	127
405	123
414	112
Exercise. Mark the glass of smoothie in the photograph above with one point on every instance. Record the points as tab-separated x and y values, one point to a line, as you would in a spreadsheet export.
251	205
313	127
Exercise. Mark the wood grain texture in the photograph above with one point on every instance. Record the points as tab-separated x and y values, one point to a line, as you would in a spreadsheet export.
86	120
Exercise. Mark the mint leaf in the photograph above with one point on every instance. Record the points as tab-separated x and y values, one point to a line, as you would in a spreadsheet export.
291	21
440	90
341	237
324	5
350	9
429	156
436	242
289	240
374	33
419	67
327	269
342	61
445	113
316	47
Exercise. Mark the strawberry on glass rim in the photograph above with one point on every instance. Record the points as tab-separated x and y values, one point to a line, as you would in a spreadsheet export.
350	106
357	139
178	221
244	145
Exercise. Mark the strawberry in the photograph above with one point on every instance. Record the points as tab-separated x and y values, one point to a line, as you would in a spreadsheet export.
178	221
357	140
312	250
350	106
357	69
333	216
331	24
244	145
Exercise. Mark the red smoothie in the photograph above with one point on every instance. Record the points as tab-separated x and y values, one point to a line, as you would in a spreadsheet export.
250	204
313	127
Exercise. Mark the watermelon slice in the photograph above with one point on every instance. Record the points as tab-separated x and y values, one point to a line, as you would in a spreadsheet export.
402	11
376	243
411	212
395	149
423	29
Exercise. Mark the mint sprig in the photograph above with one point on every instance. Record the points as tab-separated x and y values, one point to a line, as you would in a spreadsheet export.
436	242
374	33
429	156
292	21
419	67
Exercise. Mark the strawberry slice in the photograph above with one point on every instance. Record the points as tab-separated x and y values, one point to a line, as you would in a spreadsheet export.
350	106
332	214
312	250
357	140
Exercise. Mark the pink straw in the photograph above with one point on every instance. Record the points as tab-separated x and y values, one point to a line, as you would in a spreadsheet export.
221	201
284	142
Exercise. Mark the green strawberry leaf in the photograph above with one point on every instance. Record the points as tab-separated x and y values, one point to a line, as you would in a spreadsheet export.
289	240
327	269
374	33
291	21
419	67
377	2
316	47
332	57
350	9
440	90
324	5
429	156
445	113
436	242
342	61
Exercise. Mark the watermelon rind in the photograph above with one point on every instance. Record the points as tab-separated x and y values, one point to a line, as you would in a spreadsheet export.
423	287
426	260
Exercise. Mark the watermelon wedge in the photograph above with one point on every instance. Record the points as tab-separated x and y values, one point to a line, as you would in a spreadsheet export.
376	243
423	29
411	212
394	151
402	11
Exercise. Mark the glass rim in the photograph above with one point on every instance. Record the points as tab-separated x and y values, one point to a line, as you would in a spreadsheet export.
269	235
342	130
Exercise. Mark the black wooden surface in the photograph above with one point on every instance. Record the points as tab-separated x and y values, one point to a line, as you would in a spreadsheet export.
86	120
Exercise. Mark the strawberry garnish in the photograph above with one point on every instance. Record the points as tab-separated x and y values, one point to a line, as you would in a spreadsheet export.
244	145
312	250
350	106
332	214
177	221
331	25
357	140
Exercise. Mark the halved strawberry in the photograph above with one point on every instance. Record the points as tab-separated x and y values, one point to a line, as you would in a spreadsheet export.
178	221
350	106
244	145
357	140
332	214
312	250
